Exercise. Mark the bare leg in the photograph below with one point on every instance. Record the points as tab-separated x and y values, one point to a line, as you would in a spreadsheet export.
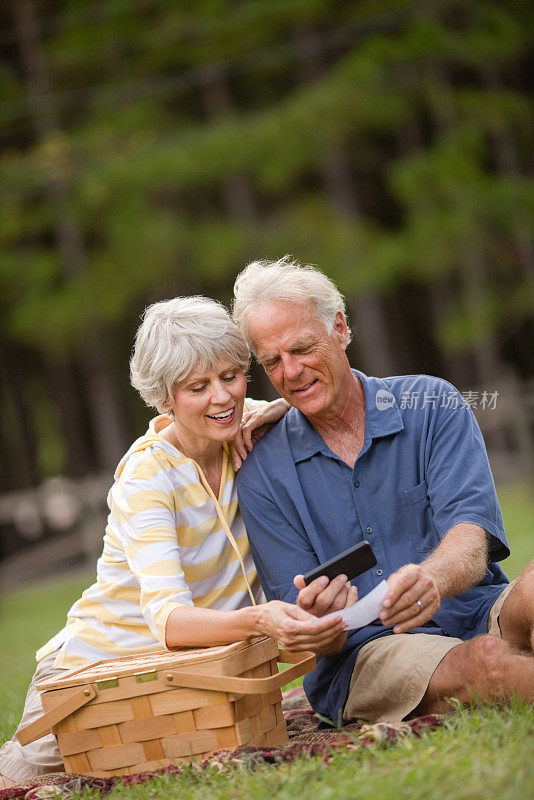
486	668
516	619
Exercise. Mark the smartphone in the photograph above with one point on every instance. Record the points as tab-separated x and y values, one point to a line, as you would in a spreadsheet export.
351	562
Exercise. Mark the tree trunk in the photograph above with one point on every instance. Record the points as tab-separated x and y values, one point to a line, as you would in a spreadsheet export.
61	380
441	288
367	308
238	194
474	279
237	190
508	163
19	460
474	273
102	401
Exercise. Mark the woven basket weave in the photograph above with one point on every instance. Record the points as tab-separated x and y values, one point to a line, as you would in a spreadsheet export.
142	713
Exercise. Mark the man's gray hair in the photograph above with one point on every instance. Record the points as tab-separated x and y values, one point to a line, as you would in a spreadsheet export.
178	336
282	281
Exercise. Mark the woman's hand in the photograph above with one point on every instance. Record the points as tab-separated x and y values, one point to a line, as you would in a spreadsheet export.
253	426
296	629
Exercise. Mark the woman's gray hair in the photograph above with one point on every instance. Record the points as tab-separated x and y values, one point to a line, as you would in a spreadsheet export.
178	336
281	281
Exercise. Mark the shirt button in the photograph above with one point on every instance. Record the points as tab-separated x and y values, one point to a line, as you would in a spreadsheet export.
357	484
368	529
379	572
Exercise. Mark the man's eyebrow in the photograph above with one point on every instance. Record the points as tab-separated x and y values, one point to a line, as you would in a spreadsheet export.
264	357
306	341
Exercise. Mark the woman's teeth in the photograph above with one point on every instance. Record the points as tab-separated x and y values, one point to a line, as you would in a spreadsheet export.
224	415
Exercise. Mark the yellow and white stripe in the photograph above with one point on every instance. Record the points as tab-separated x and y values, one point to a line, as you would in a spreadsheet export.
168	542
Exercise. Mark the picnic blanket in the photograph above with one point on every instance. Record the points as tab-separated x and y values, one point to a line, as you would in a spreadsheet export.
305	741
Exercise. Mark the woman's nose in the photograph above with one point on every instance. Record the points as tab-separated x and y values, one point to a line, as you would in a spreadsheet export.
220	393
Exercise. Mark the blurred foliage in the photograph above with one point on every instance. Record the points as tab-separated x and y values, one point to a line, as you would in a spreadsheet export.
125	146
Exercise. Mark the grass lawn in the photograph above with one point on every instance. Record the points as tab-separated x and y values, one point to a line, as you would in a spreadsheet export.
482	754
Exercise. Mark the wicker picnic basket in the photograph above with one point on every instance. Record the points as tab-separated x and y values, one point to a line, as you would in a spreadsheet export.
142	713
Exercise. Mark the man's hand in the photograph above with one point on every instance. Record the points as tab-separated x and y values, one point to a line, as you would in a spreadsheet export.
322	596
297	630
412	599
253	426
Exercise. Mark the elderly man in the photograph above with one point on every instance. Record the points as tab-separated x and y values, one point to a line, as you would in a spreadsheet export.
352	460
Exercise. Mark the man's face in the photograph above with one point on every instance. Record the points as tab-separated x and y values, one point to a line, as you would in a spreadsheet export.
305	364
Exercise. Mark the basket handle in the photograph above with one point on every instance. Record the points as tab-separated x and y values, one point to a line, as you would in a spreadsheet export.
302	663
44	724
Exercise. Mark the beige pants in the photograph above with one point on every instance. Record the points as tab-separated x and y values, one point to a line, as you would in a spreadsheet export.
392	673
22	763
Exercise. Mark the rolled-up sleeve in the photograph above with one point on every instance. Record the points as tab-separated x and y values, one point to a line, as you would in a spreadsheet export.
459	479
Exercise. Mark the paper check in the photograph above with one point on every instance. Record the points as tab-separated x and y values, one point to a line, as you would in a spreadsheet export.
365	610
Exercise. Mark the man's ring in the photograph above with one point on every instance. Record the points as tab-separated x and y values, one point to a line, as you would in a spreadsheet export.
419	603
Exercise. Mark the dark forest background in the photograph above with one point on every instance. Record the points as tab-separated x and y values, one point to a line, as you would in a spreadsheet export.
150	148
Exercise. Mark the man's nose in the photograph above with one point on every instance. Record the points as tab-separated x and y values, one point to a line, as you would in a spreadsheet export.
292	366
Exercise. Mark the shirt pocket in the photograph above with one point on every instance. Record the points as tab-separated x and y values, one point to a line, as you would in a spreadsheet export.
420	532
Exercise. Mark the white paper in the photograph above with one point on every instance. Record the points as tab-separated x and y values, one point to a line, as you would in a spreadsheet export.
365	610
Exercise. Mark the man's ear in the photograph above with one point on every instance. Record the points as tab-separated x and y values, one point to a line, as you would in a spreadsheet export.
341	329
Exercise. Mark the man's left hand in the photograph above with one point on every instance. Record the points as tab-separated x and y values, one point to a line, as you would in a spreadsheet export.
322	596
412	600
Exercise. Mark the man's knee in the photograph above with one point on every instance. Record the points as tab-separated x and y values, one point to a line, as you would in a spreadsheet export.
526	578
516	618
490	667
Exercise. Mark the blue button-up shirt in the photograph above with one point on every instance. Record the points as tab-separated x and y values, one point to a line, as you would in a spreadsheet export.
422	469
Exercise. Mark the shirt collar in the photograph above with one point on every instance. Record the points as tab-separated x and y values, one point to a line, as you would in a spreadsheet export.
382	418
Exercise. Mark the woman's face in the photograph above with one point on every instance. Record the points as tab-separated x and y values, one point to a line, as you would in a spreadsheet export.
208	405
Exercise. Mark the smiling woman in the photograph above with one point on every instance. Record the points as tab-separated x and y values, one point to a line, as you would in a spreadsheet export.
176	568
207	410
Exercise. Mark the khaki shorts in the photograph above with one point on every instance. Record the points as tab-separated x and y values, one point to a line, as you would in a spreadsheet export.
22	763
392	673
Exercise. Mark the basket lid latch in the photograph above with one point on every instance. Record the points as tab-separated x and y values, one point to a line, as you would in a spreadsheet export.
143	677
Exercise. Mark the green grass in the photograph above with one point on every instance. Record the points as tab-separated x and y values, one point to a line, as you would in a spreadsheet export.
480	754
29	617
484	754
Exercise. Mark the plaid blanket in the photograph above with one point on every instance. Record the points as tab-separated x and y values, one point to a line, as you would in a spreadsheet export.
305	741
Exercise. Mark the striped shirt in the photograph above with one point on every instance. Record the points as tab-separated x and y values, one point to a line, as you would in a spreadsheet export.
164	547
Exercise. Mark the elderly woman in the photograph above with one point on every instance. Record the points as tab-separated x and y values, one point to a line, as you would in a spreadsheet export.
176	568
